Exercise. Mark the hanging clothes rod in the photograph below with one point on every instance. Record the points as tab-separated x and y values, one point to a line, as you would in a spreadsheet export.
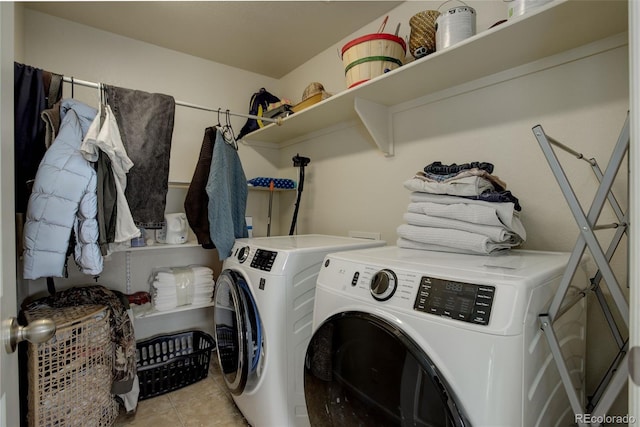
278	120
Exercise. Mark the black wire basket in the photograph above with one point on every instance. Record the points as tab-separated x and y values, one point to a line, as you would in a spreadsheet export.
170	362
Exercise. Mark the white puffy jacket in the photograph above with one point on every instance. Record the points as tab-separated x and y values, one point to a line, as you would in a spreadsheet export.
63	197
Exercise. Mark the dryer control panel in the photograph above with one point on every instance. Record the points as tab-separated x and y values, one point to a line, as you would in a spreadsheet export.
263	259
460	301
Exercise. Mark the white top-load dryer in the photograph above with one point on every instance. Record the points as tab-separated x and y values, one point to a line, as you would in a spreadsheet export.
412	337
263	313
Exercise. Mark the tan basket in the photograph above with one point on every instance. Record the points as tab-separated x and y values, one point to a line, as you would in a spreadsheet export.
70	375
371	56
422	40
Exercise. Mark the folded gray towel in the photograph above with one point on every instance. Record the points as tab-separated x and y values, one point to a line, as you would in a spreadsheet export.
451	238
495	233
476	211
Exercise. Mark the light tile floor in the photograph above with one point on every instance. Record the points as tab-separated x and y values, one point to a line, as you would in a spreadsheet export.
205	403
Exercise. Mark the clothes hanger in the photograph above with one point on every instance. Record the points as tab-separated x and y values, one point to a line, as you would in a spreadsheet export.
227	132
102	102
100	95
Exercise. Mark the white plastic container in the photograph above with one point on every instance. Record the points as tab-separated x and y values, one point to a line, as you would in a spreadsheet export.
175	230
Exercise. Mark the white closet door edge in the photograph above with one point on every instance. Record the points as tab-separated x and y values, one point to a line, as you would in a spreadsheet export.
634	208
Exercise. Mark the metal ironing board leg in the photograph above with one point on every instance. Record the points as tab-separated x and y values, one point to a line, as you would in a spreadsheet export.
615	378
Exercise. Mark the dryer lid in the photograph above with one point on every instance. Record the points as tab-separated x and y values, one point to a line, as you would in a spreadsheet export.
310	242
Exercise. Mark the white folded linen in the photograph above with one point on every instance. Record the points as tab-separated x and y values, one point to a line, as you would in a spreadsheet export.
203	286
195	270
167	293
173	276
200	269
495	233
166	305
203	289
164	298
171	288
163	277
160	284
467	186
452	238
495	180
410	244
476	211
163	285
178	286
198	292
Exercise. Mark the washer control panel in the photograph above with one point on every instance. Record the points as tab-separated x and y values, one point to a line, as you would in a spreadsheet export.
457	300
263	259
383	285
243	254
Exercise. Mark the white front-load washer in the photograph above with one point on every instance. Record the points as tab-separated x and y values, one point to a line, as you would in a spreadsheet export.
263	314
410	337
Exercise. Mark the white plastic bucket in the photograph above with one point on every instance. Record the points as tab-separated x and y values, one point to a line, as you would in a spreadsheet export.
455	25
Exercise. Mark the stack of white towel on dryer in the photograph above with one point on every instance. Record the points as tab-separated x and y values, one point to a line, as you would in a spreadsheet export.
177	286
460	208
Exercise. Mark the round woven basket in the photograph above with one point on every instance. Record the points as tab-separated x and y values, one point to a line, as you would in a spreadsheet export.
422	40
370	56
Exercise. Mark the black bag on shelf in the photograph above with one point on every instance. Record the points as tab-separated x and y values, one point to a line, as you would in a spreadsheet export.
258	104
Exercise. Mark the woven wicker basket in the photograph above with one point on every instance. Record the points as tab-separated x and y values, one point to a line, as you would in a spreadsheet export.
422	40
70	375
371	56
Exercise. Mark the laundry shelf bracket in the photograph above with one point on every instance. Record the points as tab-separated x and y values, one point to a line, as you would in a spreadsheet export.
378	121
614	379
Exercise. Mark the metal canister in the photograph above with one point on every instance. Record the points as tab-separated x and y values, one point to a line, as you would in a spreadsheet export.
520	7
455	25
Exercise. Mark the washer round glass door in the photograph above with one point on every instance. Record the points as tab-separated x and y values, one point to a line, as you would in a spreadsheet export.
362	370
237	330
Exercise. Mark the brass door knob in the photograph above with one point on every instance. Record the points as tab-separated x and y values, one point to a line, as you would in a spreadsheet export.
36	332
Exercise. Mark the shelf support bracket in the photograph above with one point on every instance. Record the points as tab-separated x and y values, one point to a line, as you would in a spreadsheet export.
377	119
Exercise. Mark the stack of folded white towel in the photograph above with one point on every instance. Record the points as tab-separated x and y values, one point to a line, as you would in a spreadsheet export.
465	211
176	286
